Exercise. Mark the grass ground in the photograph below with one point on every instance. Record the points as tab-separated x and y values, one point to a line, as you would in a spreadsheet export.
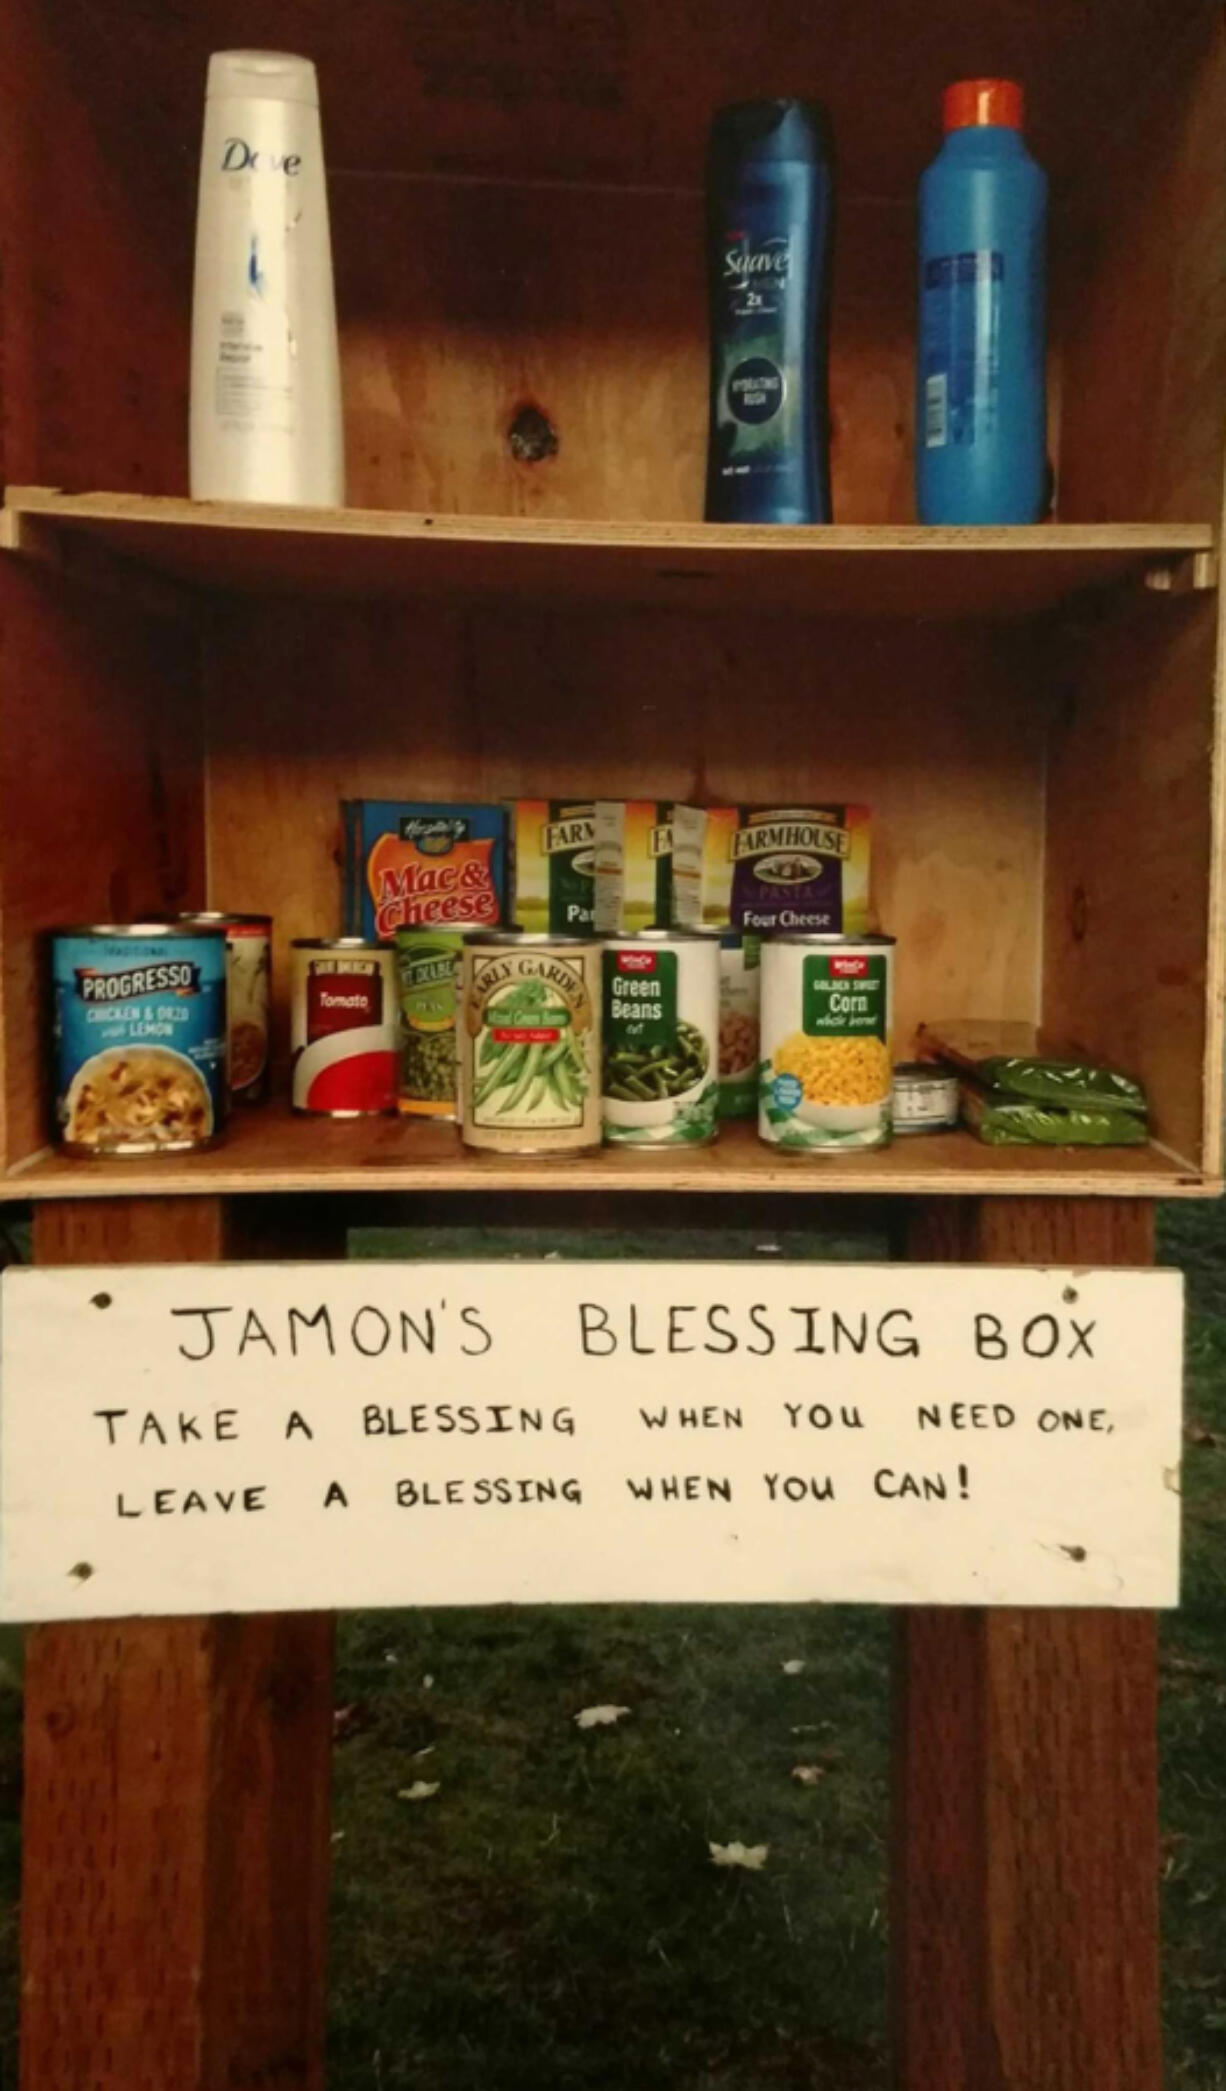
550	1917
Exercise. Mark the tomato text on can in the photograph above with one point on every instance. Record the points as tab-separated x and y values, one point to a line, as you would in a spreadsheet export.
826	1071
428	980
345	1028
140	1037
530	1042
249	948
660	1023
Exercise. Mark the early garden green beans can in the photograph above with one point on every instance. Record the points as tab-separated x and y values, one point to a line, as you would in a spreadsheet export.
661	1038
428	977
529	1042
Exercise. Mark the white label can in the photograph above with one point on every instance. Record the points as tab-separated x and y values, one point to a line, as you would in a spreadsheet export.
825	1076
661	1038
740	996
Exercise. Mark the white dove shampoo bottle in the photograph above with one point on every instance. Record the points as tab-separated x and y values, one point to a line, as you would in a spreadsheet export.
265	388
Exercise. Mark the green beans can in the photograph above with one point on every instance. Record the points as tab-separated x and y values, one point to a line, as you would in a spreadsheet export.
661	1038
529	1042
428	979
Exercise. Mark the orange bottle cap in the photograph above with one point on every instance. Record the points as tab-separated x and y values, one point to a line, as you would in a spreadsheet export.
983	101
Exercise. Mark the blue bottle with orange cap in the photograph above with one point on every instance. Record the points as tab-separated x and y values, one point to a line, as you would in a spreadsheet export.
981	407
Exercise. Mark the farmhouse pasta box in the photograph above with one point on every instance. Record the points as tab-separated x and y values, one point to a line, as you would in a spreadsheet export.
413	865
803	870
553	862
633	840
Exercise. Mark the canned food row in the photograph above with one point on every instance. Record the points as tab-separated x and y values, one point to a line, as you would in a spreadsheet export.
536	1042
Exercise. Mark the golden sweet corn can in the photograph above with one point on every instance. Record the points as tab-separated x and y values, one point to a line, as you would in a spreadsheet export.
825	1076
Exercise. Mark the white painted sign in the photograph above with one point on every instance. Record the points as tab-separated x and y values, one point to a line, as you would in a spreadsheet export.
205	1438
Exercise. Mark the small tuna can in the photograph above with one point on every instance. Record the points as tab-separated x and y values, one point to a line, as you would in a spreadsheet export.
826	1072
660	1012
925	1098
344	1027
428	978
140	1037
740	1000
249	952
529	1042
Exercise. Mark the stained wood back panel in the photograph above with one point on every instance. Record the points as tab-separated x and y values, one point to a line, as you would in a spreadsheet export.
101	798
1143	301
1132	953
463	303
941	731
623	89
94	265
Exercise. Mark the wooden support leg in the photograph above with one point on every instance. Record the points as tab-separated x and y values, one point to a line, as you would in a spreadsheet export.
176	1821
1025	1907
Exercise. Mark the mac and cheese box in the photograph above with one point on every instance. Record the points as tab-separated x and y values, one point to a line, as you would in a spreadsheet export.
410	864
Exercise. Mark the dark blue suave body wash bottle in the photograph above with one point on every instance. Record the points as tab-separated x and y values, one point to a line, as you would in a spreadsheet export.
769	208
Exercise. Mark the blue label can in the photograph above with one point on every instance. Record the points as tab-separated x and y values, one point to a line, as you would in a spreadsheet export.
140	1037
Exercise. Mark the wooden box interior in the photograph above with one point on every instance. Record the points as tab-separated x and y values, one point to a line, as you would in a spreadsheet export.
516	200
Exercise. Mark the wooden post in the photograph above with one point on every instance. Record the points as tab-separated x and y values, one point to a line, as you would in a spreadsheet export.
176	1825
1025	1842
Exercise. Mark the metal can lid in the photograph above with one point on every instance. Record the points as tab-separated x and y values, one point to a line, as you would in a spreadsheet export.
928	1074
531	937
337	944
136	932
221	918
625	939
872	941
467	927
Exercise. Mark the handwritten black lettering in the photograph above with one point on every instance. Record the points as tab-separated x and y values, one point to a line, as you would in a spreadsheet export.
382	1332
320	1319
472	1320
197	1357
255	1332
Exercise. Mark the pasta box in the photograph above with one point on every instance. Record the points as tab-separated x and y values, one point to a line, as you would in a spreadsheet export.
798	869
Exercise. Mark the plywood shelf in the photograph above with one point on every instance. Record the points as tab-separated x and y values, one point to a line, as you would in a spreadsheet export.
831	570
271	1150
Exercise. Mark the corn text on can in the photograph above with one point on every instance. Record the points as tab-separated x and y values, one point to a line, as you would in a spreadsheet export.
825	1076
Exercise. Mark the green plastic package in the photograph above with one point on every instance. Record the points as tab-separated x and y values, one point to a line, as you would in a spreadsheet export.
1010	1121
1069	1083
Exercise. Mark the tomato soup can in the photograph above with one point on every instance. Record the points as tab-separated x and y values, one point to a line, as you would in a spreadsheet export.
530	1042
660	1026
428	979
249	956
344	1027
826	1071
140	1037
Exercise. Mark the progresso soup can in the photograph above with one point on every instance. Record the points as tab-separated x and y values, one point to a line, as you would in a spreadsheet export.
249	947
530	1042
428	976
661	1038
826	1070
344	1027
140	1037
